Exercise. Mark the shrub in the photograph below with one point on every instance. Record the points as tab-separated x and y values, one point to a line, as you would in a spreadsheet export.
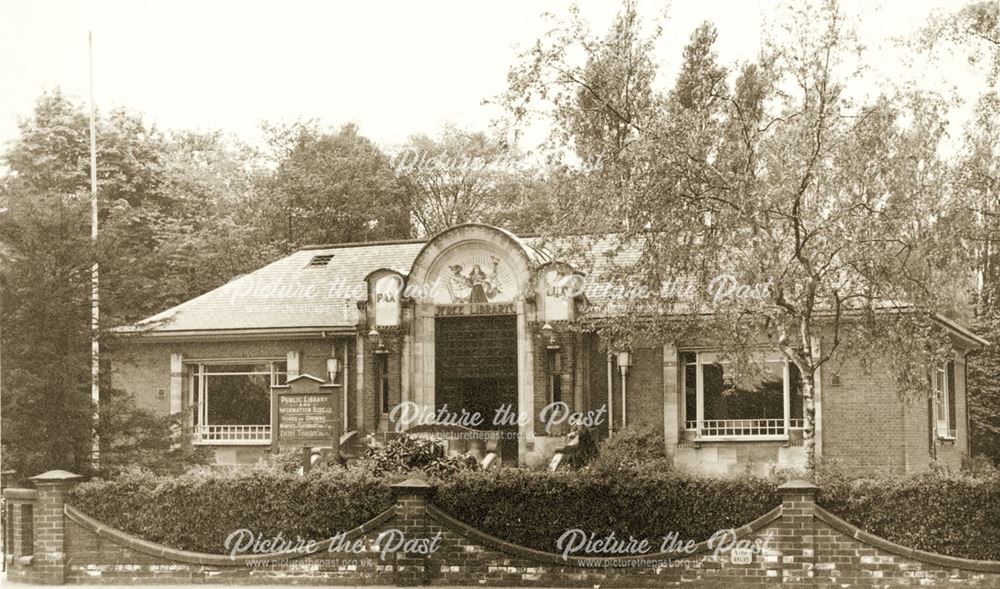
534	508
949	514
635	446
199	509
406	454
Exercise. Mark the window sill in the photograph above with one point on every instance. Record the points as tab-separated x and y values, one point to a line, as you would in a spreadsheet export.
231	442
946	434
768	438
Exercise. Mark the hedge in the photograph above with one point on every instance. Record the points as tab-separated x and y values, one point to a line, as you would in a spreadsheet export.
953	515
948	514
534	508
198	510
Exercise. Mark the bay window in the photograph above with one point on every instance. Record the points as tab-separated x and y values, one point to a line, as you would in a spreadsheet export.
231	401
718	407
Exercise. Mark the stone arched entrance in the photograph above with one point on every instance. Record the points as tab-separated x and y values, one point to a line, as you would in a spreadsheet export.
471	288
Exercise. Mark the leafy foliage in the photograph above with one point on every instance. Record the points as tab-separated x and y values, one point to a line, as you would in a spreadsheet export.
463	177
778	174
199	509
332	188
984	394
636	446
132	437
534	508
949	514
406	453
180	213
953	514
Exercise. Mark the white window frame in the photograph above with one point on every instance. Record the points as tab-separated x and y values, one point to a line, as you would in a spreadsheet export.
708	358
229	435
942	394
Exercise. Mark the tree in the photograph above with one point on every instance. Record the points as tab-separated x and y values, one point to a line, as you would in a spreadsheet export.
461	177
331	188
47	255
974	30
984	393
843	210
598	108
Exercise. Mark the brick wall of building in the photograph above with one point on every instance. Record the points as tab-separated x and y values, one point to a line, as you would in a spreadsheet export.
864	422
144	371
865	425
644	396
868	427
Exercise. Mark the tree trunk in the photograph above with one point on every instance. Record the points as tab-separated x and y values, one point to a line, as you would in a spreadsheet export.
809	431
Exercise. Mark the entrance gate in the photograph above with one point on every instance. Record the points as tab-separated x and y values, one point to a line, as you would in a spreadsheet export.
476	370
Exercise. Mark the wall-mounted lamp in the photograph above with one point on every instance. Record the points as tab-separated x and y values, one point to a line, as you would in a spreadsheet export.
624	361
550	335
332	368
376	339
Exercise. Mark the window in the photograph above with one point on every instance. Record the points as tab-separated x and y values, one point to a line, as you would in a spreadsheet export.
716	406
943	382
555	376
382	381
231	403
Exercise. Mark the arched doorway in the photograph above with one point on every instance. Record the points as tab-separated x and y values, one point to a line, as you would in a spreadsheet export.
471	349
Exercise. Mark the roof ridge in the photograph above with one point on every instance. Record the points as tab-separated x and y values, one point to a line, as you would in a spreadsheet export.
349	244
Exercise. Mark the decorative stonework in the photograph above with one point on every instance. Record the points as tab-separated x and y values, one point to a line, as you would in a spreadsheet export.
474	276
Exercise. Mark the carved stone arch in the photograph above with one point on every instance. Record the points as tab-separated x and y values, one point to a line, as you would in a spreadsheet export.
429	266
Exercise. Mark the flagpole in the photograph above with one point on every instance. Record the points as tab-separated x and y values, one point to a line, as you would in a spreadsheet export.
95	312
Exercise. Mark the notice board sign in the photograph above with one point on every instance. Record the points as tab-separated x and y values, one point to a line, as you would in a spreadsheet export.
304	413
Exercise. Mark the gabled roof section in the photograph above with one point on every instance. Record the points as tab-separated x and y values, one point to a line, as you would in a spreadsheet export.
290	293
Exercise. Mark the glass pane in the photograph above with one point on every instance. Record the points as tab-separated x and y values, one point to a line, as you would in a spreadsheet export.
725	400
690	392
238	368
195	399
238	399
797	409
952	420
280	374
939	392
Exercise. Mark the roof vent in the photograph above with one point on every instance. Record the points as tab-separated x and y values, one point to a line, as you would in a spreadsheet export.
320	260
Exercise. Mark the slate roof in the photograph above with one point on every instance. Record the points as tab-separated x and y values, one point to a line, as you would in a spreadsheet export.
291	294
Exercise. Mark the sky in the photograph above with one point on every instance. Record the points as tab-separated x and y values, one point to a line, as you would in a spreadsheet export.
395	68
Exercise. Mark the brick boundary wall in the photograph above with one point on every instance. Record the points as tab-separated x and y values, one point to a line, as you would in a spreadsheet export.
803	546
